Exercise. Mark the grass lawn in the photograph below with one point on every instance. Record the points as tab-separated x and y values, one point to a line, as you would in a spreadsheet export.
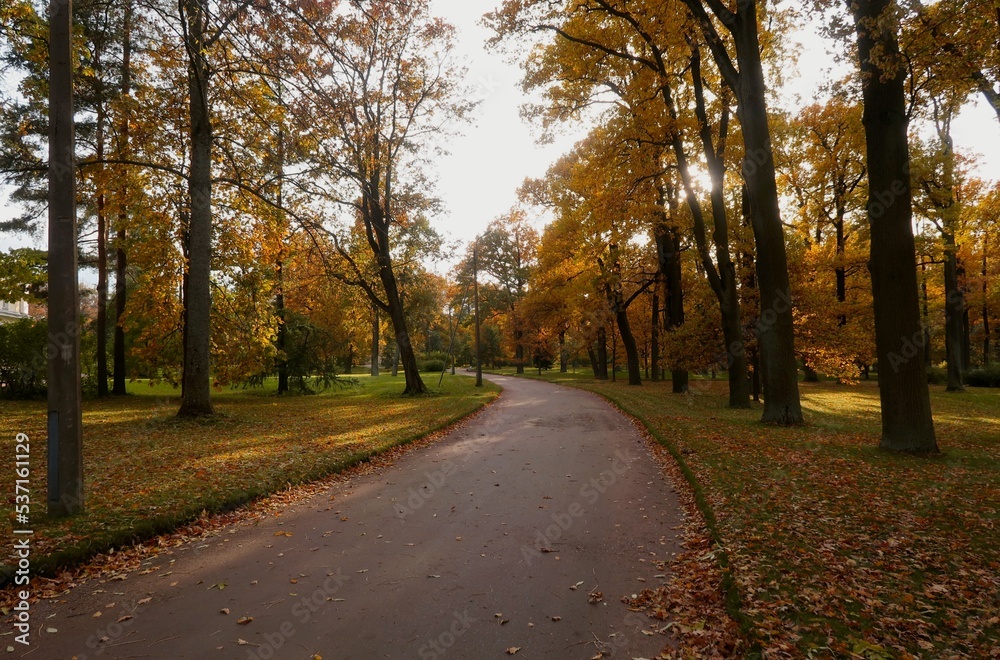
146	472
837	548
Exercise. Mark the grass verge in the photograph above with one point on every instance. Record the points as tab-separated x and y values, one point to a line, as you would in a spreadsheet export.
146	472
839	549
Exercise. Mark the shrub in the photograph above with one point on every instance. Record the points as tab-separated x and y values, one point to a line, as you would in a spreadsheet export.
937	376
984	377
432	365
23	360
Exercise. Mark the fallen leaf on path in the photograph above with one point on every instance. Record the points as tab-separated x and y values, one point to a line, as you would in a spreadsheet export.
224	610
577	585
244	620
124	617
512	650
146	601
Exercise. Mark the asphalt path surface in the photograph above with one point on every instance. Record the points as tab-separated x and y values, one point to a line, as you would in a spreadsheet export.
520	529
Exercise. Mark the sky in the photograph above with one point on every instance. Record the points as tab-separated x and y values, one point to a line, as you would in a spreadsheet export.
478	180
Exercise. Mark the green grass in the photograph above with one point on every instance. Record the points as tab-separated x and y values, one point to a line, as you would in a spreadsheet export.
836	547
147	472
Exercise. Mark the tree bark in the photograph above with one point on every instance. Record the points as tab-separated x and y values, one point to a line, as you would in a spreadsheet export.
563	367
376	338
102	258
281	341
928	352
954	314
593	362
654	337
602	353
196	388
121	259
986	308
668	243
518	348
631	348
775	328
907	424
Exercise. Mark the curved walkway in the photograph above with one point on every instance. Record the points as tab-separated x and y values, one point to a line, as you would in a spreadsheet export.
522	528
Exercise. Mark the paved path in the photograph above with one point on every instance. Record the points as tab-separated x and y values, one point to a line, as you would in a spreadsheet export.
462	550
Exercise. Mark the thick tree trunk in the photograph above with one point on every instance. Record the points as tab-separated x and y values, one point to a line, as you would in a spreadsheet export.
907	424
602	354
376	338
954	312
121	259
775	328
102	260
196	388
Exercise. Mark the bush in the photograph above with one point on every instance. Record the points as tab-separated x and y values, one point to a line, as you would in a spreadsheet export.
433	366
23	360
937	376
984	377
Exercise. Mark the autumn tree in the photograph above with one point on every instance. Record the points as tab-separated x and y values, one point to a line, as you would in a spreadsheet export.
380	87
640	33
907	424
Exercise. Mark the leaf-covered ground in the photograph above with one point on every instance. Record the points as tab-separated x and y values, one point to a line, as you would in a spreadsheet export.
146	472
838	549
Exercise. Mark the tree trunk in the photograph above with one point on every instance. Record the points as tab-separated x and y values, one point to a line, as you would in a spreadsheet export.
954	312
907	424
349	360
102	258
65	419
281	341
841	270
631	348
121	260
775	328
196	388
563	367
376	338
518	349
986	309
593	362
928	352
668	248
602	354
654	338
755	378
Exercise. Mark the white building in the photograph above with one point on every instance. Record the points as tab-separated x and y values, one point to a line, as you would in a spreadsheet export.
13	311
